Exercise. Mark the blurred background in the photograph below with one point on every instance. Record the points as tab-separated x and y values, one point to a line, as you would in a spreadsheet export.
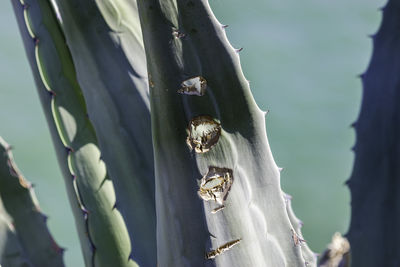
302	59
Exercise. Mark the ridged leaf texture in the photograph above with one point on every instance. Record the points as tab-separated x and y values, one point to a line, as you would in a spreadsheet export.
106	45
103	233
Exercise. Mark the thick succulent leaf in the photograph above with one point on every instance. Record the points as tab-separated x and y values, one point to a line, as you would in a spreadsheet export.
105	42
198	89
375	180
104	236
21	204
11	251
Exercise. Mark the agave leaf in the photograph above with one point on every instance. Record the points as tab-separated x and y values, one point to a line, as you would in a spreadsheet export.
30	223
375	180
230	161
104	236
105	42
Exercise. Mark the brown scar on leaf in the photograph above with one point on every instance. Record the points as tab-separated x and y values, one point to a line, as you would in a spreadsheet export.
218	209
296	238
193	86
216	184
151	83
203	133
225	247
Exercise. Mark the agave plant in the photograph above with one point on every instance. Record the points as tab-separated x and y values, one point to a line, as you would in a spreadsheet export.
163	149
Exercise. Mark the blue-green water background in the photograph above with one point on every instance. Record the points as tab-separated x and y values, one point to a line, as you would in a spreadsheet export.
302	59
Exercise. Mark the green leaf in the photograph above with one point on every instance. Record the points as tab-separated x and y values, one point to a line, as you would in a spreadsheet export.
105	42
102	230
187	49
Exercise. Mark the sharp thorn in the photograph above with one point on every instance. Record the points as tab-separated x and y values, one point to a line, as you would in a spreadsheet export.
62	250
52	93
130	257
212	235
92	247
45	217
84	210
287	197
361	76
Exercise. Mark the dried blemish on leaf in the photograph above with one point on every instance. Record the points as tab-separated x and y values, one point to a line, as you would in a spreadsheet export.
216	184
297	240
218	209
338	252
193	86
150	80
178	34
214	253
203	133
